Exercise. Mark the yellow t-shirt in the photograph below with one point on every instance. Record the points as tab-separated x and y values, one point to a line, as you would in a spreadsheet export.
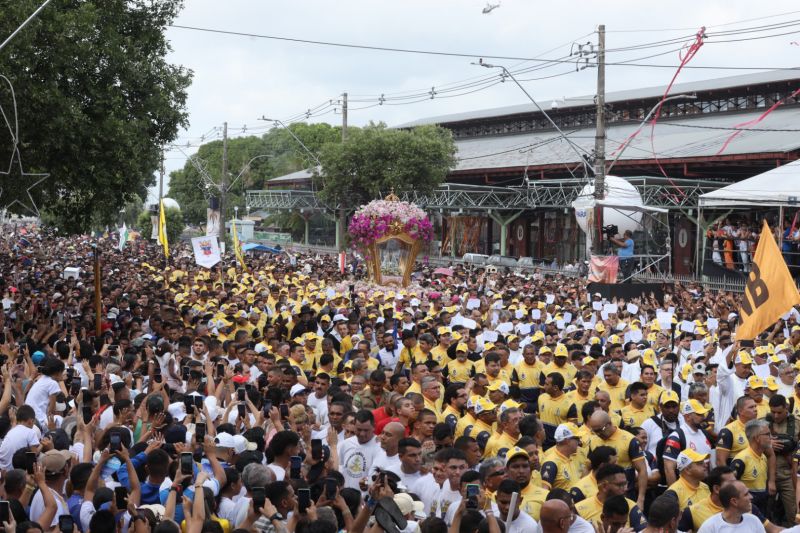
688	495
560	471
751	469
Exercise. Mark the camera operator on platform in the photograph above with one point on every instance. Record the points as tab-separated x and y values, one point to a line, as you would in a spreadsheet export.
624	252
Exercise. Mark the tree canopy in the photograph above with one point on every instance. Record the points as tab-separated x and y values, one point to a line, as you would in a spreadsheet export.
95	102
376	159
283	155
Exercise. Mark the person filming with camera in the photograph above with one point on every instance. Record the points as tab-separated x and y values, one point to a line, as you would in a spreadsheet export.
624	252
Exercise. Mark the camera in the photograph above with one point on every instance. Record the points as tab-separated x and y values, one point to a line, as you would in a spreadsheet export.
610	231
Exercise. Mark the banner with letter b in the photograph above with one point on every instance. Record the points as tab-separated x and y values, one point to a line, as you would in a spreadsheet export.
769	290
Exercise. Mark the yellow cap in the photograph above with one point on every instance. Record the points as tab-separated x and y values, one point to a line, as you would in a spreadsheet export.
462	347
669	396
545	349
744	358
693	406
516	451
561	351
484	404
755	382
443	330
772	384
498	385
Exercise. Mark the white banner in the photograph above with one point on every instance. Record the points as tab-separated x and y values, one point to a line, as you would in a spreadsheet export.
206	251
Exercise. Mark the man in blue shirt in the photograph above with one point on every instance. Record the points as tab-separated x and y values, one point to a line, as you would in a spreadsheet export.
625	253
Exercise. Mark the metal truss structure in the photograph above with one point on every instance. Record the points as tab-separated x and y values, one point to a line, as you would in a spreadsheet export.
547	194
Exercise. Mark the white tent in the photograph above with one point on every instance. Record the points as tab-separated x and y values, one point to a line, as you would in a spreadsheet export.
777	187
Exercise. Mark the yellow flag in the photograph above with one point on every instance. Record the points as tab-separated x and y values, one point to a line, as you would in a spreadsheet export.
769	291
162	229
237	247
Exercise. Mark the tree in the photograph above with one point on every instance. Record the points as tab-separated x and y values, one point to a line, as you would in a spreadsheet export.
191	188
376	159
96	100
175	224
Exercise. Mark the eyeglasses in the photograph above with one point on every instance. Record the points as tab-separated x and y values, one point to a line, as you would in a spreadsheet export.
764	434
498	473
599	431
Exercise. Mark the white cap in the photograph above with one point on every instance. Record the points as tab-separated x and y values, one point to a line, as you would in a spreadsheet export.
225	440
297	388
339	318
177	410
563	433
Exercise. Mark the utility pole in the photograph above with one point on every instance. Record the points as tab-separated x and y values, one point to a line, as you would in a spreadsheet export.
344	117
161	179
223	182
340	213
600	139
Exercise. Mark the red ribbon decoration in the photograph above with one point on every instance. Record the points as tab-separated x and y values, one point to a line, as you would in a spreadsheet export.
742	127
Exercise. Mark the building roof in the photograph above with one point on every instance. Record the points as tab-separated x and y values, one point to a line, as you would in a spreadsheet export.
730	82
686	137
299	175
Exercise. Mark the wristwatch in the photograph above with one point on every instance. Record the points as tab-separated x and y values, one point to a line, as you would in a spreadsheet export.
276	516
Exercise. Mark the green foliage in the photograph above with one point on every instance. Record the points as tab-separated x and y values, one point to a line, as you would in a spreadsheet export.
376	159
175	224
96	101
188	185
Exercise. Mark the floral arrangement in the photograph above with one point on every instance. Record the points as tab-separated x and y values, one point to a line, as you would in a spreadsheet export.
388	217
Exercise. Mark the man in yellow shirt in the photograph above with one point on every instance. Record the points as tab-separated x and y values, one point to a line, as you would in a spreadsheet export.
689	488
629	453
586	487
561	364
614	385
582	392
755	388
507	436
611	482
693	517
518	468
554	407
485	416
526	377
755	465
432	394
635	413
732	439
560	465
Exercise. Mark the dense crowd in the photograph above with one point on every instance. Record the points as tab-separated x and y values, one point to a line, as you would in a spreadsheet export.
288	397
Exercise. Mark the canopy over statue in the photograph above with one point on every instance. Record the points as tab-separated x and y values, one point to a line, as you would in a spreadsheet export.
389	233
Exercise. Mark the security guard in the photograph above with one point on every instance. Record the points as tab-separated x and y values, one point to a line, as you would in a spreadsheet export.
555	408
560	465
732	438
751	465
689	488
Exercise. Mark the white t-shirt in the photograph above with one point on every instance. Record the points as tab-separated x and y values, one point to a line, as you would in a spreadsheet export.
428	491
279	471
448	503
409	480
17	438
39	397
320	406
355	460
696	440
654	433
523	523
384	462
37	507
716	524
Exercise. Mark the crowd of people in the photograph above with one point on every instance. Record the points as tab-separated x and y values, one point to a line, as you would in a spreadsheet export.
733	243
288	397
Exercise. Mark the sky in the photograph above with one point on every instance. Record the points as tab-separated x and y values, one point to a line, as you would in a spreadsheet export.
240	79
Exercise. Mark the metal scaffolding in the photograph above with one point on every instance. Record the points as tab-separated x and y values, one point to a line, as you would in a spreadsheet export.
548	194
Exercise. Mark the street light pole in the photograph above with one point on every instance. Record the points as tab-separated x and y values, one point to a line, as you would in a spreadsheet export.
572	145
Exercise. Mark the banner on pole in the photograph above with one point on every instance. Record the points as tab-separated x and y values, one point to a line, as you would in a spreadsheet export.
603	268
769	291
206	251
